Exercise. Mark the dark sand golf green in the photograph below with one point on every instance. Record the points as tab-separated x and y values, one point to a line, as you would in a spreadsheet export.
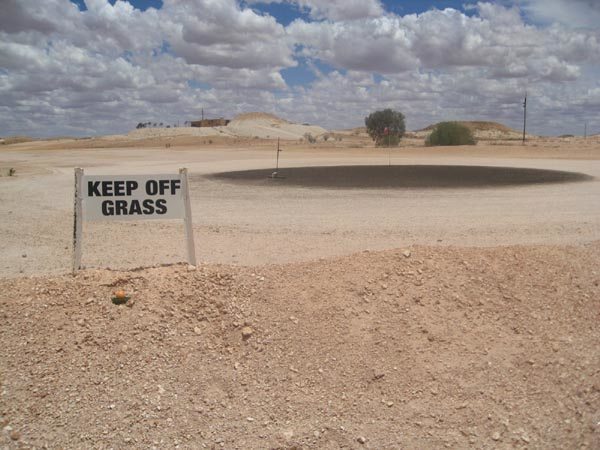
401	176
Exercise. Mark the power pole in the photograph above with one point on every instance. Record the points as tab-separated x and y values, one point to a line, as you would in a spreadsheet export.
524	117
202	113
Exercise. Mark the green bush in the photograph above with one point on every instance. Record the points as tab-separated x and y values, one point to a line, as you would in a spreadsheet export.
450	133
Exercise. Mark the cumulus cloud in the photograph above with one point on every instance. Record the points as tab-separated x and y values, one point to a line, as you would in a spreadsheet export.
220	33
496	38
336	10
571	13
102	70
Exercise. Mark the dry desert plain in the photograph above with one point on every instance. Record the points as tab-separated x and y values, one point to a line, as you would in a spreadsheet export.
412	306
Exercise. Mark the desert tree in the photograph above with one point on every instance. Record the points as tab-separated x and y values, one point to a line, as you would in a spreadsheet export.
385	127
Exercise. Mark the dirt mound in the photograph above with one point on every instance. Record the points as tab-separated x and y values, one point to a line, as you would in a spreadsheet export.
269	126
259	116
15	140
481	130
478	126
427	348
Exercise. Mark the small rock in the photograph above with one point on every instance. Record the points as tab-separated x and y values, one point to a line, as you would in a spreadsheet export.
288	434
361	440
24	255
81	322
15	435
496	436
197	330
130	303
247	333
406	253
191	268
316	434
389	404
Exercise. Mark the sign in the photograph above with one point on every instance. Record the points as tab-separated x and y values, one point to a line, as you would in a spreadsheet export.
131	197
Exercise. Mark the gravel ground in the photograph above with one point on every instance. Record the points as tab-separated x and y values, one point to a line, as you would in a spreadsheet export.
458	317
249	224
416	348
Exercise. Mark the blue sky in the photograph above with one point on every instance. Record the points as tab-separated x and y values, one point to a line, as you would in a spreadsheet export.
90	67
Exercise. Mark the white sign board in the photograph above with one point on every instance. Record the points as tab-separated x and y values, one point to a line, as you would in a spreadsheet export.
132	197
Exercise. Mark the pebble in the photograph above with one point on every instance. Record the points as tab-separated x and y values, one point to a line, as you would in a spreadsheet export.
15	435
496	436
247	333
24	255
361	440
191	268
197	330
406	253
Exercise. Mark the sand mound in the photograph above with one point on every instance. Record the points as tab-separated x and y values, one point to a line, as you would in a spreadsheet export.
15	140
251	116
269	126
146	133
482	130
249	125
477	125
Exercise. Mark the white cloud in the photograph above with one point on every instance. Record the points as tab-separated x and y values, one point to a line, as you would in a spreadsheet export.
571	13
219	33
65	71
335	10
496	39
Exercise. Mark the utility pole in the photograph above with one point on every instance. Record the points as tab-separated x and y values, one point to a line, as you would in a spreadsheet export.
524	117
585	131
202	113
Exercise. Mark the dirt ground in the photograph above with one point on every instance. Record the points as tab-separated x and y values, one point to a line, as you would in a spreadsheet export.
449	316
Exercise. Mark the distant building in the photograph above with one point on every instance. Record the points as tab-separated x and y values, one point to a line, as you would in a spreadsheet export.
210	122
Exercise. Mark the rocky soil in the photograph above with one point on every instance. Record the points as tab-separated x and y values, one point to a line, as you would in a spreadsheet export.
411	348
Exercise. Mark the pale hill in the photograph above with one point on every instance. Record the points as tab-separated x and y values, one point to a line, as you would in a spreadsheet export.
269	126
476	125
258	116
248	125
482	130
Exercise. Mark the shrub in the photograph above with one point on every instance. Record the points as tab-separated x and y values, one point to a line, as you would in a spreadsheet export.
450	133
310	138
385	126
391	140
